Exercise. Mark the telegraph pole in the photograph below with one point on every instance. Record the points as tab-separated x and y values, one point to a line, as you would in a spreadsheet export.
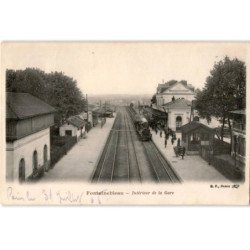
191	112
87	107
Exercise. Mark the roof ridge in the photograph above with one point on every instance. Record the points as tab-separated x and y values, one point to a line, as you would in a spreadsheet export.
25	105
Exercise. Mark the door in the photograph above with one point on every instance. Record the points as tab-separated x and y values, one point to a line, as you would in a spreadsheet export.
68	132
178	122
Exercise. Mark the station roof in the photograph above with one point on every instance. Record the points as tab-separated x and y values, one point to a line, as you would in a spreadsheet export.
164	86
76	121
178	103
189	127
157	111
23	105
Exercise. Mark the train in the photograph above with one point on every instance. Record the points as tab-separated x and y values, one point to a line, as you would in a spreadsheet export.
141	125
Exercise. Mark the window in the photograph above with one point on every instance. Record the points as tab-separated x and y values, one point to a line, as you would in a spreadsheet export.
68	132
178	122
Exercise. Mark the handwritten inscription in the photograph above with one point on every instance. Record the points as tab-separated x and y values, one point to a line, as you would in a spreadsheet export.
70	197
86	196
11	195
27	196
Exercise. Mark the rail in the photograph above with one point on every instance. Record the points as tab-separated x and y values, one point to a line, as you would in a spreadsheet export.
133	146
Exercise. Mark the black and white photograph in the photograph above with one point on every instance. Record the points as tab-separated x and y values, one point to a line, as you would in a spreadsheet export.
124	124
125	113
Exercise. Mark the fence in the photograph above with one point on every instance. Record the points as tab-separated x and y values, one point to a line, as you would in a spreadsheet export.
228	168
60	146
221	147
223	163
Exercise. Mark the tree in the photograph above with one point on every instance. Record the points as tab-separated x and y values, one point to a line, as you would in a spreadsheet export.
55	88
224	91
184	82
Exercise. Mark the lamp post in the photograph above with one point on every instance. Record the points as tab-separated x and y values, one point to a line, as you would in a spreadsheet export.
167	112
191	112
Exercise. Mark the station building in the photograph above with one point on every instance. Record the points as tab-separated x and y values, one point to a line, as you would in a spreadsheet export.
28	122
167	92
173	104
197	138
73	126
179	113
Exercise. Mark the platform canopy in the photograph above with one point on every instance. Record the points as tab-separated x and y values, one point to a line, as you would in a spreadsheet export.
192	126
76	121
157	113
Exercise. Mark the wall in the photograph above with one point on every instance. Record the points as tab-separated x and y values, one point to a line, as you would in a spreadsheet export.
21	128
65	127
75	131
78	133
168	97
173	113
24	148
178	91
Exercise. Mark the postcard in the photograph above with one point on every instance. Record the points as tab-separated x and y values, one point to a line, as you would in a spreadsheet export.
124	123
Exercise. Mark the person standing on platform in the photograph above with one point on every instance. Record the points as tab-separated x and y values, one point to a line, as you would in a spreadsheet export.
166	141
172	140
161	133
178	142
183	151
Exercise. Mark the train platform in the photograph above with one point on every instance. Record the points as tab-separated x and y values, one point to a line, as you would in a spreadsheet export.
192	167
80	161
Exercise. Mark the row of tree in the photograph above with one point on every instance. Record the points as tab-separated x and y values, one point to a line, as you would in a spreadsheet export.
55	88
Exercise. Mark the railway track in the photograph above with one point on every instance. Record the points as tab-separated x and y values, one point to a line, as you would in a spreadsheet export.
105	161
134	167
162	171
119	161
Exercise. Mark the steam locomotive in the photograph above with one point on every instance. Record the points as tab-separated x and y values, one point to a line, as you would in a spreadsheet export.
141	125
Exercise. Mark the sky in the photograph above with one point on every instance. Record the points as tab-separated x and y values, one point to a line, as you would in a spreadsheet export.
122	67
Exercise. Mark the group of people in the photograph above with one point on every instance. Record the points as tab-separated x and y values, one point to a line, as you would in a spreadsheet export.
167	132
164	130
